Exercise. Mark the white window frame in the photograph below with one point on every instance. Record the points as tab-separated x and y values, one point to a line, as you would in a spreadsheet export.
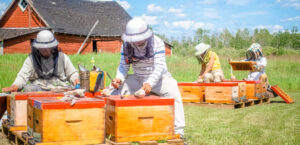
21	6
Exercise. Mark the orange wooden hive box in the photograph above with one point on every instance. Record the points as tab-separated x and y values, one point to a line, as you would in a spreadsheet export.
242	89
17	113
254	89
129	119
222	93
191	92
56	121
30	110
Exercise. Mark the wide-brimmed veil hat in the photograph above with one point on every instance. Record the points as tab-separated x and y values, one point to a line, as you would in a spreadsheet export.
45	39
136	30
201	48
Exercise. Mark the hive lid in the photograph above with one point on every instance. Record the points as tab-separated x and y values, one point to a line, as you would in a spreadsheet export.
30	100
105	98
190	84
223	84
56	103
247	82
25	95
282	94
133	101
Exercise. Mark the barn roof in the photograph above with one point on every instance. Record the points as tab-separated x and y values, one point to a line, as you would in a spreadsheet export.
78	16
12	33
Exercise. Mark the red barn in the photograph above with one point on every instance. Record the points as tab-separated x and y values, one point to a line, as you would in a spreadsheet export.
70	20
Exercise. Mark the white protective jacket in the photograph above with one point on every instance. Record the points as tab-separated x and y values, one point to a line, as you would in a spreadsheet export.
261	63
65	76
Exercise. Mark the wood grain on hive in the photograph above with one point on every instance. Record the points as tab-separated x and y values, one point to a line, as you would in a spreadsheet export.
222	93
129	119
254	89
191	92
58	121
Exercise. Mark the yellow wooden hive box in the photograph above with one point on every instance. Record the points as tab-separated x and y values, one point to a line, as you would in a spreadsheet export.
191	92
254	89
222	93
56	121
149	119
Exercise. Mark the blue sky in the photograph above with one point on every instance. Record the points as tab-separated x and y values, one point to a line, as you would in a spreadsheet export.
177	18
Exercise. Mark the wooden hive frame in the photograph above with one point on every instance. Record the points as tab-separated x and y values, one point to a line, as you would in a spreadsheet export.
242	65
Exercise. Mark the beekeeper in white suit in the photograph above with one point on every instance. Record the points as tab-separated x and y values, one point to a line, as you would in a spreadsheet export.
45	68
146	53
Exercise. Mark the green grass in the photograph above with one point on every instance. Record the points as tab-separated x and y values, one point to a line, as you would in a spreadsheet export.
275	123
281	70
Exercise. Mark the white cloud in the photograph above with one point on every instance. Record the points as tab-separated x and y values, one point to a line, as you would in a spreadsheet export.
290	3
209	2
174	10
192	25
124	4
278	27
202	25
152	8
272	28
238	2
183	24
3	7
166	23
211	13
151	20
180	15
296	18
246	14
177	12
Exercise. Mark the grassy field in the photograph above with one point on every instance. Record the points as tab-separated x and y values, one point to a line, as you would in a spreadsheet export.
275	123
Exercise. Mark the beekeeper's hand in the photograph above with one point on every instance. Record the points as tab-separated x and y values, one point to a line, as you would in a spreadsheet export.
200	79
12	88
106	92
116	83
147	88
76	81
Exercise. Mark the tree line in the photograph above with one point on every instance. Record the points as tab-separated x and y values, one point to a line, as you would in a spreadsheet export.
242	39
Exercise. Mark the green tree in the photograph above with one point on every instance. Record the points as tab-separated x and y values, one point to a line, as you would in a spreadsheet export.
262	36
202	35
225	38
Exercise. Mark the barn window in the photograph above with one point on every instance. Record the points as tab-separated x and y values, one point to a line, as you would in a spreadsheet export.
23	5
94	46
